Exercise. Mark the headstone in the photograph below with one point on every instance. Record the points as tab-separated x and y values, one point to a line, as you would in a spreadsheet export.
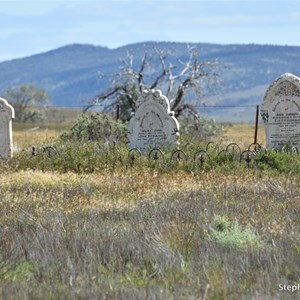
7	113
281	112
153	125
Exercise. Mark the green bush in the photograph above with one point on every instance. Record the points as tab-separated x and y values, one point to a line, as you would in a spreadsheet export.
96	127
231	234
282	162
202	129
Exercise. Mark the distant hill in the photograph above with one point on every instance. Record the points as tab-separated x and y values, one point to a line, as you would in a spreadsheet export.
70	74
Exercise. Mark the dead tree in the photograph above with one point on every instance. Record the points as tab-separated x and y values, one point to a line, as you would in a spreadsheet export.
180	80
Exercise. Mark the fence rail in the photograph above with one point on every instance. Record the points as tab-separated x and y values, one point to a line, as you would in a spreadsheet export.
231	153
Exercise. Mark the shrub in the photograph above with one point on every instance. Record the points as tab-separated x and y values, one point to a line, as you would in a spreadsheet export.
231	234
96	127
283	162
203	129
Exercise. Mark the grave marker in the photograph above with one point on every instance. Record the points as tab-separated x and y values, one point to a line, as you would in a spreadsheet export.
153	125
281	112
7	113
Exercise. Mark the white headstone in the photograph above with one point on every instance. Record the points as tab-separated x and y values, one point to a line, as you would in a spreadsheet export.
153	125
7	113
281	112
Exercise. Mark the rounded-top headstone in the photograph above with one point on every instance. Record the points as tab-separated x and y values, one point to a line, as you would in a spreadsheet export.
7	113
153	125
281	112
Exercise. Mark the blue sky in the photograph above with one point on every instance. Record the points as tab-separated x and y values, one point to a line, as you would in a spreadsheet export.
31	27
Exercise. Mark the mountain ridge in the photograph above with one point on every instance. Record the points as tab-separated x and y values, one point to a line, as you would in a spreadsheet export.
70	73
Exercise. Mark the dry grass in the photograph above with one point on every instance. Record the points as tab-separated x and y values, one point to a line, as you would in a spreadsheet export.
110	235
27	139
143	233
243	135
124	190
28	135
24	136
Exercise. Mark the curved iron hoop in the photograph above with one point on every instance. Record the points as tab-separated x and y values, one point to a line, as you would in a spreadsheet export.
257	147
284	149
134	153
234	148
50	151
247	156
212	146
228	155
201	156
295	150
179	155
223	152
291	149
156	155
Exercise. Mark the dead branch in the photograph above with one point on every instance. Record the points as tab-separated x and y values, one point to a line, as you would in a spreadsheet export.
175	80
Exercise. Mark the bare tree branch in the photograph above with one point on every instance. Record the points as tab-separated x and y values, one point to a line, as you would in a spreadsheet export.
162	57
180	82
191	109
99	98
179	96
140	76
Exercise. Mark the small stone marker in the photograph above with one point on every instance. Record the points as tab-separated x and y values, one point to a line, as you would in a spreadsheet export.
7	113
153	125
281	112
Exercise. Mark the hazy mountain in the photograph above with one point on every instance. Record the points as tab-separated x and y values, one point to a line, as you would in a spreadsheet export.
70	74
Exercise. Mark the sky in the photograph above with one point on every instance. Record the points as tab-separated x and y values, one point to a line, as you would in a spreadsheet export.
32	27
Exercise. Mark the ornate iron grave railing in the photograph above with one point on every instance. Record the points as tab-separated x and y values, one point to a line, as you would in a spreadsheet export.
212	152
205	154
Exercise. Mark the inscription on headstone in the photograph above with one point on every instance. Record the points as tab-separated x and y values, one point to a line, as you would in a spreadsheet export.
281	112
153	125
7	113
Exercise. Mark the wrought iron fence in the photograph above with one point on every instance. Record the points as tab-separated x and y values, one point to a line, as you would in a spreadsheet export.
208	154
231	153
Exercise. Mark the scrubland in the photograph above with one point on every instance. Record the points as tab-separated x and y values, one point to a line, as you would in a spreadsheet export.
105	227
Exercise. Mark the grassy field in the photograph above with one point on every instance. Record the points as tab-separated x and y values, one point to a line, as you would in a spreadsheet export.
31	134
145	232
242	134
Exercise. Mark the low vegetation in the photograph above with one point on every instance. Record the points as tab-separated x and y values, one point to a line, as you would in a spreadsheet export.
83	220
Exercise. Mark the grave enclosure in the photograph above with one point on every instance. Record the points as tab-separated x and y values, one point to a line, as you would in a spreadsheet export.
153	124
281	112
7	113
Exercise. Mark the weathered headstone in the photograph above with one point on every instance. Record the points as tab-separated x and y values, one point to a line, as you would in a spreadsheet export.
7	113
281	112
153	125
